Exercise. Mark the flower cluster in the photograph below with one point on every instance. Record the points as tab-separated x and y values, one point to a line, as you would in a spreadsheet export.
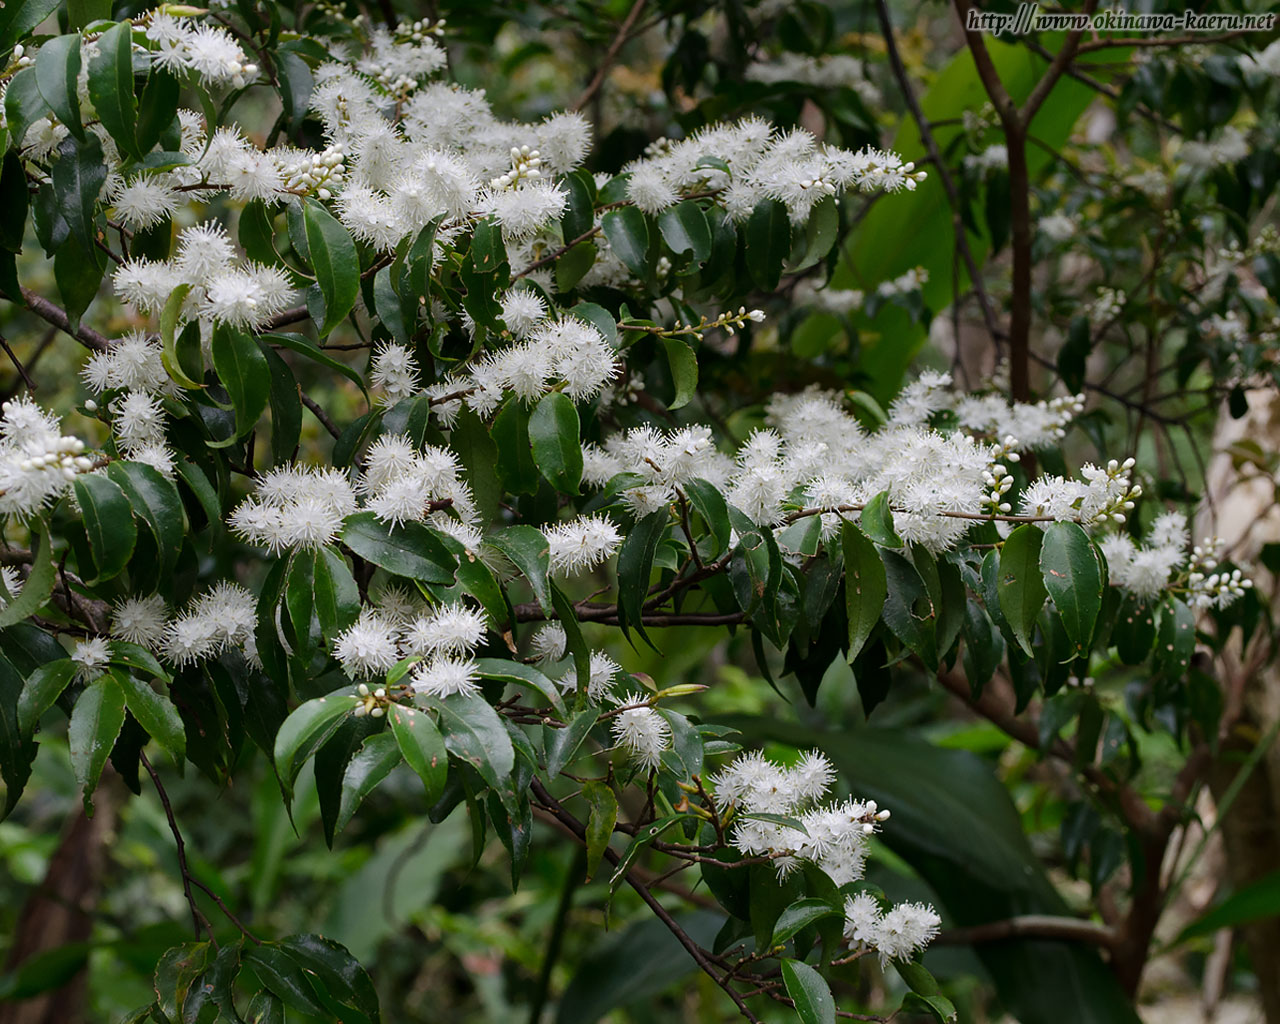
580	544
401	484
295	507
832	836
640	730
1161	561
180	45
221	619
399	626
37	461
133	373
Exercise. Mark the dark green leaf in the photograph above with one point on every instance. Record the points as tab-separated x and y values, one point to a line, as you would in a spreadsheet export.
865	587
924	989
411	549
96	721
1073	578
39	583
14	202
422	747
562	744
286	407
78	177
17	751
1135	630
108	522
810	992
366	769
156	502
710	504
111	87
1021	583
57	69
1253	902
800	915
684	371
1177	637
41	689
23	104
557	447
156	111
768	243
524	676
877	522
635	564
306	729
335	262
684	228
156	714
628	235
528	549
474	733
244	372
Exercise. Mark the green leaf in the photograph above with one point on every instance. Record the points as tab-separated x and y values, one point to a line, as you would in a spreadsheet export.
371	764
801	914
1253	902
265	1008
816	237
474	733
108	522
23	104
572	267
284	976
18	17
337	976
525	676
157	109
295	86
684	228
865	587
39	583
337	598
639	843
628	235
1177	638
299	590
562	744
557	447
177	975
410	550
286	407
517	472
1135	629
768	243
96	721
1020	582
635	564
602	816
78	273
710	504
877	522
42	688
244	372
17	751
78	177
138	659
925	990
156	714
579	211
111	87
57	69
528	549
684	371
156	502
909	610
1073	578
487	251
303	732
169	341
303	347
14	203
335	262
422	747
810	992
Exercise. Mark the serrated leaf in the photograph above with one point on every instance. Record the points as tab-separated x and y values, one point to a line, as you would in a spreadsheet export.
602	815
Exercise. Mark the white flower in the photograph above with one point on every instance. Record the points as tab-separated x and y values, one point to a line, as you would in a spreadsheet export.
549	642
522	310
450	629
368	646
395	371
90	656
580	544
862	919
140	620
905	929
641	731
444	676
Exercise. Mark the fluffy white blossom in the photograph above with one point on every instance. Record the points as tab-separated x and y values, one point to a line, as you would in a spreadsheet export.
37	461
140	620
580	544
91	657
640	731
367	647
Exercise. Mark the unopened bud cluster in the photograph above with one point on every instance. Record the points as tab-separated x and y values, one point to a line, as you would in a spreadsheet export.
419	30
324	176
1206	586
65	457
1000	482
730	320
21	59
1118	473
525	163
373	702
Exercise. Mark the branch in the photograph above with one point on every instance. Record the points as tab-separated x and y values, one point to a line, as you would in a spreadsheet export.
987	72
610	56
197	916
1056	68
57	316
944	174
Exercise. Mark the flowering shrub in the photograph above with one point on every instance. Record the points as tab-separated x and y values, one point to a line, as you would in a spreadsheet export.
414	408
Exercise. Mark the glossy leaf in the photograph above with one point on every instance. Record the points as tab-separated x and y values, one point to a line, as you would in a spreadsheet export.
528	550
337	267
1021	583
799	915
809	991
78	177
1073	578
96	721
601	817
57	69
371	764
768	243
635	564
410	550
39	583
155	713
111	87
684	228
156	502
523	676
557	448
877	522
684	371
306	728
865	586
41	689
628	235
244	372
474	733
421	746
108	522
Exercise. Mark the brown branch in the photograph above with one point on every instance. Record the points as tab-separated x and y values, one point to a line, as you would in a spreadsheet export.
197	915
610	56
22	370
57	316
